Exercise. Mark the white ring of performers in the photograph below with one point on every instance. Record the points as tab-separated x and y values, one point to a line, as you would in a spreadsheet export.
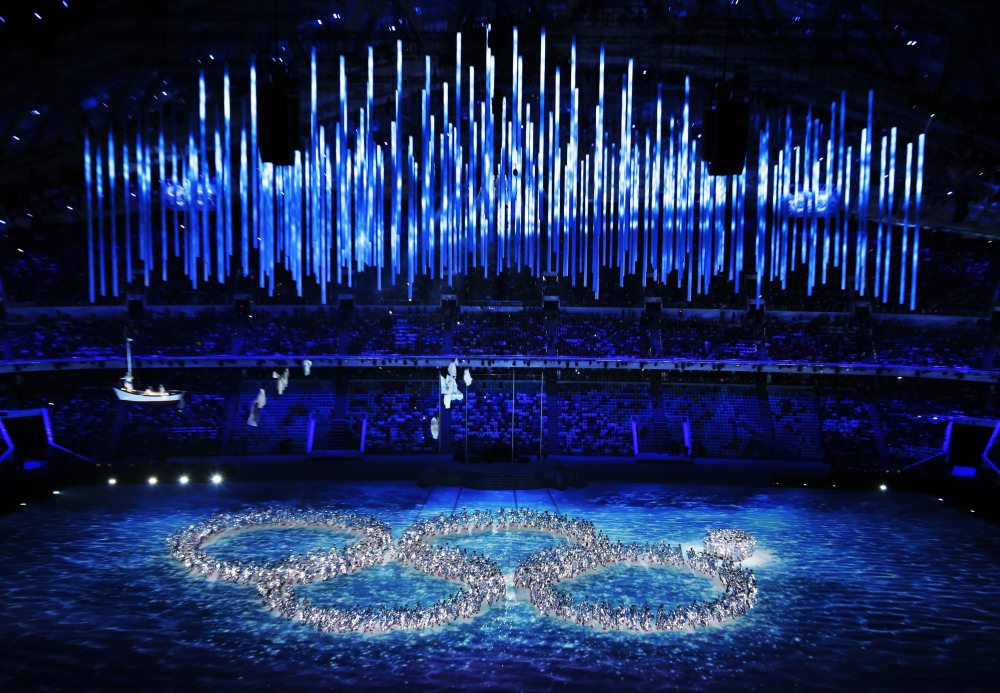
482	577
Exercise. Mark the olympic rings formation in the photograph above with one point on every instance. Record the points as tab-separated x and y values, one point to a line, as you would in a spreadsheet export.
536	576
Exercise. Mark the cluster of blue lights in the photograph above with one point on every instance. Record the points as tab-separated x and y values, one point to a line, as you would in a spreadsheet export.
495	188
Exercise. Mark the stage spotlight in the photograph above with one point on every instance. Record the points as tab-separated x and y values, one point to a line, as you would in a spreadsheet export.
55	493
216	478
112	481
184	479
883	487
152	481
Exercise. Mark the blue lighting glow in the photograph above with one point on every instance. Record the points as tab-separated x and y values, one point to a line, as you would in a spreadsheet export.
512	188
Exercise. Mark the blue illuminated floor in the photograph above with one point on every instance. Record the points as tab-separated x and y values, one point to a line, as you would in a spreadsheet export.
865	590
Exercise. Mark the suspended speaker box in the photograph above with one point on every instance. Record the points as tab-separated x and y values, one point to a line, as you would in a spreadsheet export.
278	124
726	124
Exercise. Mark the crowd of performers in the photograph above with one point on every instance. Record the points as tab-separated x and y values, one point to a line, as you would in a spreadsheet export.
483	580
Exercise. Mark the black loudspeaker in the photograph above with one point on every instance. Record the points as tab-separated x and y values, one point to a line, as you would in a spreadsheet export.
278	134
862	311
134	308
726	124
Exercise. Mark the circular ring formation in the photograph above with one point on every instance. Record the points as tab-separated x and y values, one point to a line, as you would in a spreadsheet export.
588	551
734	544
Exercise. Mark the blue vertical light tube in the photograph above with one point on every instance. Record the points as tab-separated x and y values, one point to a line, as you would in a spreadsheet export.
556	187
647	210
669	205
472	213
226	174
489	171
100	219
870	129
786	183
572	159
918	195
244	200
690	222
829	233
221	243
740	222
325	211
254	190
683	185
861	244
778	217
881	217
370	163
114	215
906	223
621	169
311	185
599	187
88	180
796	223
761	238
518	162
425	168
583	215
163	209
397	165
777	201
412	225
733	222
205	176
485	186
144	223
843	190
846	206
656	184
807	188
813	230
827	210
147	199
126	186
540	166
343	179
887	255
175	173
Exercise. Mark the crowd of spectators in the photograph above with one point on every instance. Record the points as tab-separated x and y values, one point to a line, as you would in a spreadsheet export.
597	420
603	336
728	337
398	414
487	332
725	420
384	332
492	412
820	339
270	336
958	345
848	433
796	423
161	432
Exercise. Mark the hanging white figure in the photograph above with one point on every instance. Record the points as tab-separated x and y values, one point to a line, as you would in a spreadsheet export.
306	367
467	377
435	427
261	399
449	387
